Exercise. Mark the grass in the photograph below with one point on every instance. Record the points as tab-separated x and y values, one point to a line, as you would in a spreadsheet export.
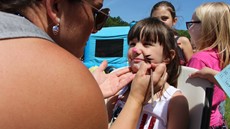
227	111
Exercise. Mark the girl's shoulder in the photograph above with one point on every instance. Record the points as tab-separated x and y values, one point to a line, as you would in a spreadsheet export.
177	95
170	92
205	54
178	111
183	39
178	101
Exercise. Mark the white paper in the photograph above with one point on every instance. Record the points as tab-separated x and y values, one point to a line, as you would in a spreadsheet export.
223	78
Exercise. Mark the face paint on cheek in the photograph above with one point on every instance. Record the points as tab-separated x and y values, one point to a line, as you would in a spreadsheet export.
134	66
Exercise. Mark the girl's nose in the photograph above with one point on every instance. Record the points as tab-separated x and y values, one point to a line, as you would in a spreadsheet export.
135	50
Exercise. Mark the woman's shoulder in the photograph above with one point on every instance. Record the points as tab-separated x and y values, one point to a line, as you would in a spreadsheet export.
46	76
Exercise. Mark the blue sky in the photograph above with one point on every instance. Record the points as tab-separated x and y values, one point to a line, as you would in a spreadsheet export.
134	10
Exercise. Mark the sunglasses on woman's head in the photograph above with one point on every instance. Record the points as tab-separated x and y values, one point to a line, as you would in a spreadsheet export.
101	15
190	23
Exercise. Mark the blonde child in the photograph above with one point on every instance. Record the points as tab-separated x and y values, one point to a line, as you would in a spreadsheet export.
210	30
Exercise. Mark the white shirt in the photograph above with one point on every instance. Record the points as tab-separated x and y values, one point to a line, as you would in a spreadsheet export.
153	116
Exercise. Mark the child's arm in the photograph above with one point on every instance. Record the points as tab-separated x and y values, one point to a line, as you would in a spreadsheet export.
216	77
206	73
178	112
186	47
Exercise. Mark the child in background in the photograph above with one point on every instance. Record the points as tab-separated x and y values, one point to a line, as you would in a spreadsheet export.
210	31
150	40
165	12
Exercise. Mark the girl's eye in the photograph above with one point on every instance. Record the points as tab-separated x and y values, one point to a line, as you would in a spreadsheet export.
164	18
147	44
132	44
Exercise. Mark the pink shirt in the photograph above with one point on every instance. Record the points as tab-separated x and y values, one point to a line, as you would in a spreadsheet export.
209	58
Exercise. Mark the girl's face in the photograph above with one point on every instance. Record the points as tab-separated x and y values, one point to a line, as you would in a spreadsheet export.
163	14
138	50
195	31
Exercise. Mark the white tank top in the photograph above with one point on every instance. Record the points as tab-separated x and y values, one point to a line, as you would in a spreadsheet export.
153	116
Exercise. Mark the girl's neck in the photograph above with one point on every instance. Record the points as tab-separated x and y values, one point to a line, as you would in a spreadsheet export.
160	93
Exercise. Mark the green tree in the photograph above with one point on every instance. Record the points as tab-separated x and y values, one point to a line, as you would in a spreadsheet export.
116	21
183	33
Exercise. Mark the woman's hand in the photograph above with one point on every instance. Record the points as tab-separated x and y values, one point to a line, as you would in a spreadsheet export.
140	89
111	83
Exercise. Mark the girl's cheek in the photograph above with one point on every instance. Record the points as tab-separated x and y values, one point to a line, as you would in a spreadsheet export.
134	66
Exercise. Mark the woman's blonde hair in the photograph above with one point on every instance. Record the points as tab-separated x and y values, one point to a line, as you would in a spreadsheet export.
215	29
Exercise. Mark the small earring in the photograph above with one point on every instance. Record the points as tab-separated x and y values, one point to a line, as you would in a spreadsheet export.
55	28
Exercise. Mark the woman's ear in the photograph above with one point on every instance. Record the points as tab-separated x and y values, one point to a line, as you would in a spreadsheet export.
52	10
168	59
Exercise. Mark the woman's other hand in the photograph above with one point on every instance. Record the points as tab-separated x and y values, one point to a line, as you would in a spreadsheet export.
111	83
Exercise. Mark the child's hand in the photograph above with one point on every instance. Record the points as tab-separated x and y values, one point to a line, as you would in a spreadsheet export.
205	73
